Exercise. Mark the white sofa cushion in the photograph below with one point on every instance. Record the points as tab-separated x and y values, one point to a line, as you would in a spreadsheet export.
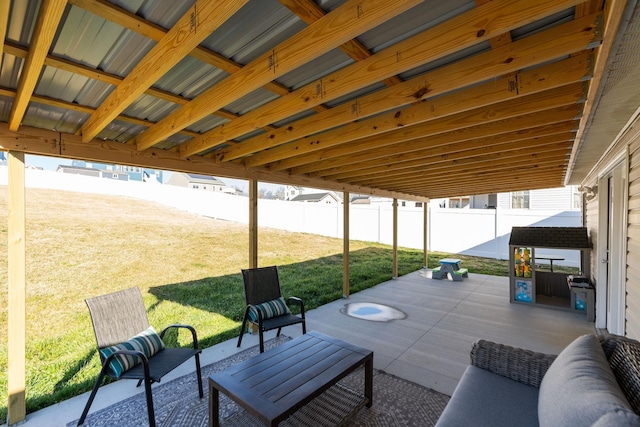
579	388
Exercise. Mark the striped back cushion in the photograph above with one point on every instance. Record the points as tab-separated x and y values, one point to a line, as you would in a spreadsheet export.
148	342
273	308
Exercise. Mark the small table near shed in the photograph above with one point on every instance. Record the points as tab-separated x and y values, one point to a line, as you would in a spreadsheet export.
449	268
550	258
276	383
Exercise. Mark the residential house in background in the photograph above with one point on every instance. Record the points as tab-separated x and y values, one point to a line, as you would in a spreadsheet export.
561	198
89	171
196	181
133	173
292	191
328	198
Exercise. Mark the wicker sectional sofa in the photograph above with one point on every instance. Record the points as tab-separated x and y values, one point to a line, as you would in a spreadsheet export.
594	381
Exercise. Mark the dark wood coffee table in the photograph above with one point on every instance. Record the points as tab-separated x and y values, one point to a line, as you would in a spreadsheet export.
276	383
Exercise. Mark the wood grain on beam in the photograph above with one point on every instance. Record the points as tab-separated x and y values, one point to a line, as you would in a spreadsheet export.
47	143
344	23
192	28
310	12
559	41
531	81
45	29
102	76
135	23
504	117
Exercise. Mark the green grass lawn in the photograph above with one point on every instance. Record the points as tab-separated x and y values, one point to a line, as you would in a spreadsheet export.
187	267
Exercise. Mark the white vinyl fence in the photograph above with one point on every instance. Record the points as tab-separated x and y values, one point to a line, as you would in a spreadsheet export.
478	232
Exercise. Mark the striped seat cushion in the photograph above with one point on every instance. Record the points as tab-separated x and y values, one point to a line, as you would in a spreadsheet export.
148	342
273	308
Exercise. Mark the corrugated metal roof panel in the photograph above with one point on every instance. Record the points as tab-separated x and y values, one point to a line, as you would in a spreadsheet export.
256	28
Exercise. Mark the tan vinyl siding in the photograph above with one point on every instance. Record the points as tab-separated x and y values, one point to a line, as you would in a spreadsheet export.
633	240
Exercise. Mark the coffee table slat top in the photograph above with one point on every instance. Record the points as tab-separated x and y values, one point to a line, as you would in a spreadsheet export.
274	384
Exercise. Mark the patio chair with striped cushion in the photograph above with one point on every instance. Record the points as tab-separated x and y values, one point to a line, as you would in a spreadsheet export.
266	308
129	347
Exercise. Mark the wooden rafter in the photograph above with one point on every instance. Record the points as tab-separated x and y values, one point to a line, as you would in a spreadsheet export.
192	28
45	29
436	42
509	116
342	24
310	12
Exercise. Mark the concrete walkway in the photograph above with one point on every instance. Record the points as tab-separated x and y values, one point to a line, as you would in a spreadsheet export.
430	346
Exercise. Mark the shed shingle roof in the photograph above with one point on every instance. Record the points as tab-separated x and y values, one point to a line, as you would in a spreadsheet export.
550	237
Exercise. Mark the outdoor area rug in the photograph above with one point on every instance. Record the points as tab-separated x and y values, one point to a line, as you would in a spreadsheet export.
397	402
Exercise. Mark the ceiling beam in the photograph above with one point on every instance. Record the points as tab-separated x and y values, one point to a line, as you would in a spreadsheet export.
481	146
102	76
444	80
192	28
454	169
310	12
448	112
59	144
342	24
436	42
43	33
508	116
135	23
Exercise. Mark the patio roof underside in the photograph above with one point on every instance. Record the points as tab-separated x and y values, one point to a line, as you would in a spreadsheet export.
399	98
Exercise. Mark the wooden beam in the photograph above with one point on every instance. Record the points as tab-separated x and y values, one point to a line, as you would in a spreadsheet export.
356	138
429	45
4	21
486	67
102	76
345	245
425	234
16	317
495	145
394	274
45	29
506	117
459	169
310	12
253	223
477	171
135	23
48	143
193	27
72	106
342	24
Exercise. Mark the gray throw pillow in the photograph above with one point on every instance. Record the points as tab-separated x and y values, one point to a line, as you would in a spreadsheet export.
579	388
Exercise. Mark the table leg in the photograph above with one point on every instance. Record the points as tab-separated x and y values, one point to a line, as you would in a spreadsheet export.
214	409
368	381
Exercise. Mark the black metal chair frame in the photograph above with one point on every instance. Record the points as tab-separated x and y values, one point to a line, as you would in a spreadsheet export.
129	302
262	285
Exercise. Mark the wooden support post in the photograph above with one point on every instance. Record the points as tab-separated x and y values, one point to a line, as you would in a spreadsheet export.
345	243
395	239
17	290
253	223
425	229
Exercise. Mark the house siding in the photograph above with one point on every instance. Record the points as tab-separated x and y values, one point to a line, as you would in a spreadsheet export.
633	240
631	142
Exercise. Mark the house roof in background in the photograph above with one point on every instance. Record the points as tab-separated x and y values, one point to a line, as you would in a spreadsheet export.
398	98
314	197
193	177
